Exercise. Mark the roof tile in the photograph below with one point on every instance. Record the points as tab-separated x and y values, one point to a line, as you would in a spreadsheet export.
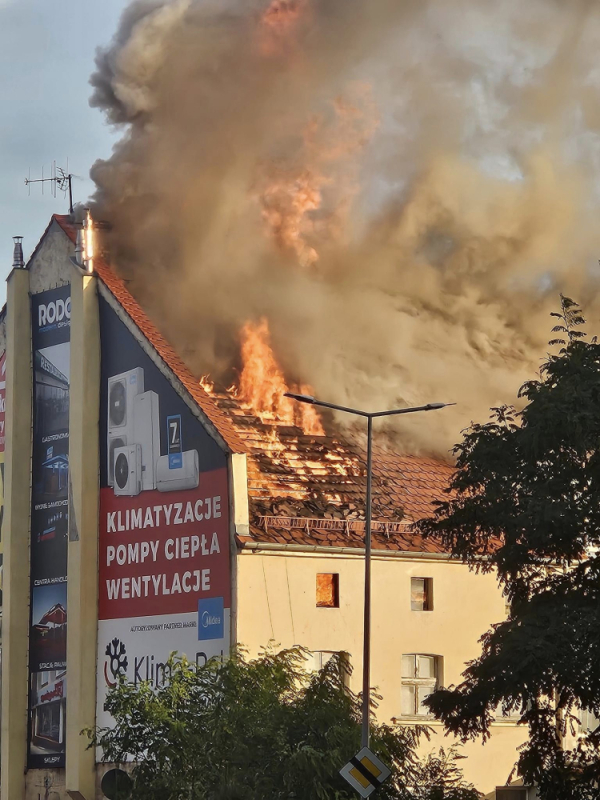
299	484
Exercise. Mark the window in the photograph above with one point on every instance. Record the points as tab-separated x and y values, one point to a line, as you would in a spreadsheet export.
317	659
511	793
589	721
421	594
419	679
500	714
328	590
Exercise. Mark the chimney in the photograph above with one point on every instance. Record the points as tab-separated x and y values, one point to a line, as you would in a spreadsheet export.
88	242
79	249
18	262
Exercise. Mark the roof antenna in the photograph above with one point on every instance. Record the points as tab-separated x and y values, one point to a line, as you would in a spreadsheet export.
60	179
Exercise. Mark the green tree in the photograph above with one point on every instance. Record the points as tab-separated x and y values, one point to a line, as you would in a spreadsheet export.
525	502
260	729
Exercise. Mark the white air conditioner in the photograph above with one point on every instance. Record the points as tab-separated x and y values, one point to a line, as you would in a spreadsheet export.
127	470
122	391
172	479
146	433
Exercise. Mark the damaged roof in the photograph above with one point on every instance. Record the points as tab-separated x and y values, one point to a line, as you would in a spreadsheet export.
303	490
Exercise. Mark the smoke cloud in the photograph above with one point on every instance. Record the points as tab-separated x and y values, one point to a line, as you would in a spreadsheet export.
400	187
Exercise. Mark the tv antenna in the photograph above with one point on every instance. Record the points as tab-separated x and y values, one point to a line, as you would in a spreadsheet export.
60	179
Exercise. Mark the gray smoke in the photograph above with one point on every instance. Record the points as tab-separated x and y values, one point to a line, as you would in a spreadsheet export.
400	187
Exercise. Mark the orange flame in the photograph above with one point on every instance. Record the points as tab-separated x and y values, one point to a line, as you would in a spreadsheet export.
262	383
286	202
207	384
306	203
278	25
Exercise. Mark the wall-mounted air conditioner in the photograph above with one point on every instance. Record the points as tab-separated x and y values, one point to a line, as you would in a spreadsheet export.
186	476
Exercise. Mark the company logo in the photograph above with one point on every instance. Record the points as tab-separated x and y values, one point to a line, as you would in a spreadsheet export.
55	311
211	618
117	662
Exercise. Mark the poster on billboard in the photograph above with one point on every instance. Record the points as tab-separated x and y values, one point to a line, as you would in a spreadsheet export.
51	328
164	558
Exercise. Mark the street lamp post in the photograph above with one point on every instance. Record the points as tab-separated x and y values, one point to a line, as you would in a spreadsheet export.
370	416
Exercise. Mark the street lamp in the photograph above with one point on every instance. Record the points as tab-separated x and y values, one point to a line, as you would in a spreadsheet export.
305	398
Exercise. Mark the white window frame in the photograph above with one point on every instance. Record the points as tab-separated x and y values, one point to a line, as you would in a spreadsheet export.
427	594
507	719
588	721
317	659
419	683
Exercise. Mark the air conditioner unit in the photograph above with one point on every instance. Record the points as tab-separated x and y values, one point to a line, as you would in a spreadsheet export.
122	391
127	469
171	479
146	433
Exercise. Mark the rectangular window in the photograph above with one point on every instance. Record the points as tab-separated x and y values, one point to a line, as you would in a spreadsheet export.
317	659
419	680
511	793
589	721
328	590
421	594
502	715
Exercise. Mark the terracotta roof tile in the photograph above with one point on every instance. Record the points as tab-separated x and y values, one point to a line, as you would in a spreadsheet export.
309	537
307	490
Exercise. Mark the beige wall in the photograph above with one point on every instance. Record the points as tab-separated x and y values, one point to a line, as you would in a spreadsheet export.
50	266
83	535
276	601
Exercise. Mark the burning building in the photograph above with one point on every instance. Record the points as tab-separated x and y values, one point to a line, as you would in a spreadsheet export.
183	515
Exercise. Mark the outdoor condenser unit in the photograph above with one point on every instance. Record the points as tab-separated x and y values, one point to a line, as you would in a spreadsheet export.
122	391
127	470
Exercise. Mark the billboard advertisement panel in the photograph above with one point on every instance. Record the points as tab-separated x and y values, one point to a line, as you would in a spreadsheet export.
164	557
2	448
51	328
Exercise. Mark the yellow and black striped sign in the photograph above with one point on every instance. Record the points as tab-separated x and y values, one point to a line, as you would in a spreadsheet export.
365	772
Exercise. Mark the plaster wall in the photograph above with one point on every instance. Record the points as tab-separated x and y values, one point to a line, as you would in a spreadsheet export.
277	602
49	265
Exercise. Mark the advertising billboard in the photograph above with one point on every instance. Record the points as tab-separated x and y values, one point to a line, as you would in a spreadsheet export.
51	329
2	448
164	557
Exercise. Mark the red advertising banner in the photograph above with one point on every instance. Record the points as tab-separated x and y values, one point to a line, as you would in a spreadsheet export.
162	552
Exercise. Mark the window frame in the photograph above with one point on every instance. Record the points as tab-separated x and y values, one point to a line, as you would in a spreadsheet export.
427	593
420	682
335	587
324	656
584	715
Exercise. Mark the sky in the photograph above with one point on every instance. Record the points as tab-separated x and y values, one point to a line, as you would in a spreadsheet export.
47	50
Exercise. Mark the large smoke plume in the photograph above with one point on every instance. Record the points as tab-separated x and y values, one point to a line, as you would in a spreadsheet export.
400	187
